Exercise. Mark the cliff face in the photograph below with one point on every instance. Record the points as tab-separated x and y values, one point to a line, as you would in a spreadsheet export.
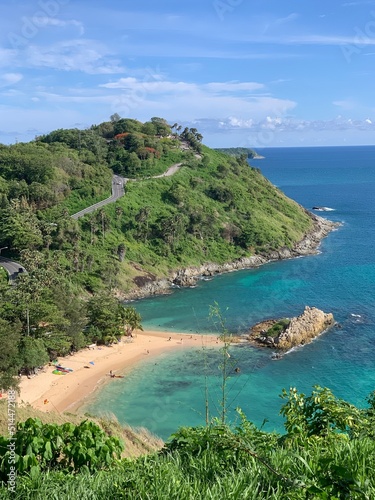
304	328
300	330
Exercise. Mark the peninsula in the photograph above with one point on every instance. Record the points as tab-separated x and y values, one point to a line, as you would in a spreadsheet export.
87	238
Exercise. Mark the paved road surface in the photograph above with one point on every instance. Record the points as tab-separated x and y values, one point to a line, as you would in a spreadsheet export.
118	190
12	268
171	170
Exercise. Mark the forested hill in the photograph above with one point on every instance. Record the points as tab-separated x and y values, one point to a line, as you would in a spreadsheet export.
250	153
216	208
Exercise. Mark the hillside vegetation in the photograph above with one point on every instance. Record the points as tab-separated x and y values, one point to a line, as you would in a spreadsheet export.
327	452
215	208
250	153
136	441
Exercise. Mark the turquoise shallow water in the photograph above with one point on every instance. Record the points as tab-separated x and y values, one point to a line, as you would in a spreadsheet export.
169	392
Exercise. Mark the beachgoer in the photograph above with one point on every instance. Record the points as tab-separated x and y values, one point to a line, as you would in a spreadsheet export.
111	374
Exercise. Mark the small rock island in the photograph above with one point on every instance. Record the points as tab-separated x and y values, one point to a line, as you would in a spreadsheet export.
285	333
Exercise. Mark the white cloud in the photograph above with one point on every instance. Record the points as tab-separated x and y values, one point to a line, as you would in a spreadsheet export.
155	84
84	98
9	79
189	101
331	40
73	55
233	86
282	124
310	39
150	83
52	21
281	21
347	104
360	2
235	122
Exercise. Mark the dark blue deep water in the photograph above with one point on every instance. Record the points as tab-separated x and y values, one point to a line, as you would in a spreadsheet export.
168	392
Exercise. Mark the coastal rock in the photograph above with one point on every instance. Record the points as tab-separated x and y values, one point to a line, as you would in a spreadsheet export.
299	330
305	327
189	276
310	243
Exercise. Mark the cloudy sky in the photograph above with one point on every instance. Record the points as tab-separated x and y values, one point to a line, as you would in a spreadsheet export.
253	73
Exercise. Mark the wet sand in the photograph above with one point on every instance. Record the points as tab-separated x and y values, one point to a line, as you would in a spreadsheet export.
91	368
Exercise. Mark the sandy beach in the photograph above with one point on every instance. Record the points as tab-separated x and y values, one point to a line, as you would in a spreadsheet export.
91	368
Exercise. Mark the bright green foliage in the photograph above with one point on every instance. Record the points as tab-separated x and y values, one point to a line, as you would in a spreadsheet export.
9	358
278	327
106	318
198	215
249	153
131	319
320	414
232	447
32	353
41	318
26	162
221	462
65	447
19	227
216	208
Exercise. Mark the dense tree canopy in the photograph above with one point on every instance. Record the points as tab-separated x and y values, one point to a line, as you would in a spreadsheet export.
215	208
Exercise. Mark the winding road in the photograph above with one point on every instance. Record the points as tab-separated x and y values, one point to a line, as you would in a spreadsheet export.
118	190
12	268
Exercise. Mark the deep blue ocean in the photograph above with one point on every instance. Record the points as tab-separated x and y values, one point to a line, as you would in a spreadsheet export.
165	393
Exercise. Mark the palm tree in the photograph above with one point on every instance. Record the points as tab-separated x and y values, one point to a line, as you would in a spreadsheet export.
104	219
142	218
93	227
119	211
121	251
131	319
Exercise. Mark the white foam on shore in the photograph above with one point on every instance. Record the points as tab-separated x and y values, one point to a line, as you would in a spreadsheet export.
324	209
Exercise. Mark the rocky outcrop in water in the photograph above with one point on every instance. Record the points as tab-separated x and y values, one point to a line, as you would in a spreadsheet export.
287	333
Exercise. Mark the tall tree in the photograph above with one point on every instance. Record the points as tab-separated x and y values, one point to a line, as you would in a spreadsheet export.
33	353
142	220
131	319
9	357
104	316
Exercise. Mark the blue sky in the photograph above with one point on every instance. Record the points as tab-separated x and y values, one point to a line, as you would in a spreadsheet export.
254	73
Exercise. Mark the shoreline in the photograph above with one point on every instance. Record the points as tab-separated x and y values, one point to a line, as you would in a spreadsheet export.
91	367
189	276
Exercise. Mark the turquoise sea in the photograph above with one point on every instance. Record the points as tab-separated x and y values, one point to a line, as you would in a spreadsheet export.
169	392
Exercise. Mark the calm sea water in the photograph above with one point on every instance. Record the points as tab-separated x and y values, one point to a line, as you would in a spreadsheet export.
168	392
